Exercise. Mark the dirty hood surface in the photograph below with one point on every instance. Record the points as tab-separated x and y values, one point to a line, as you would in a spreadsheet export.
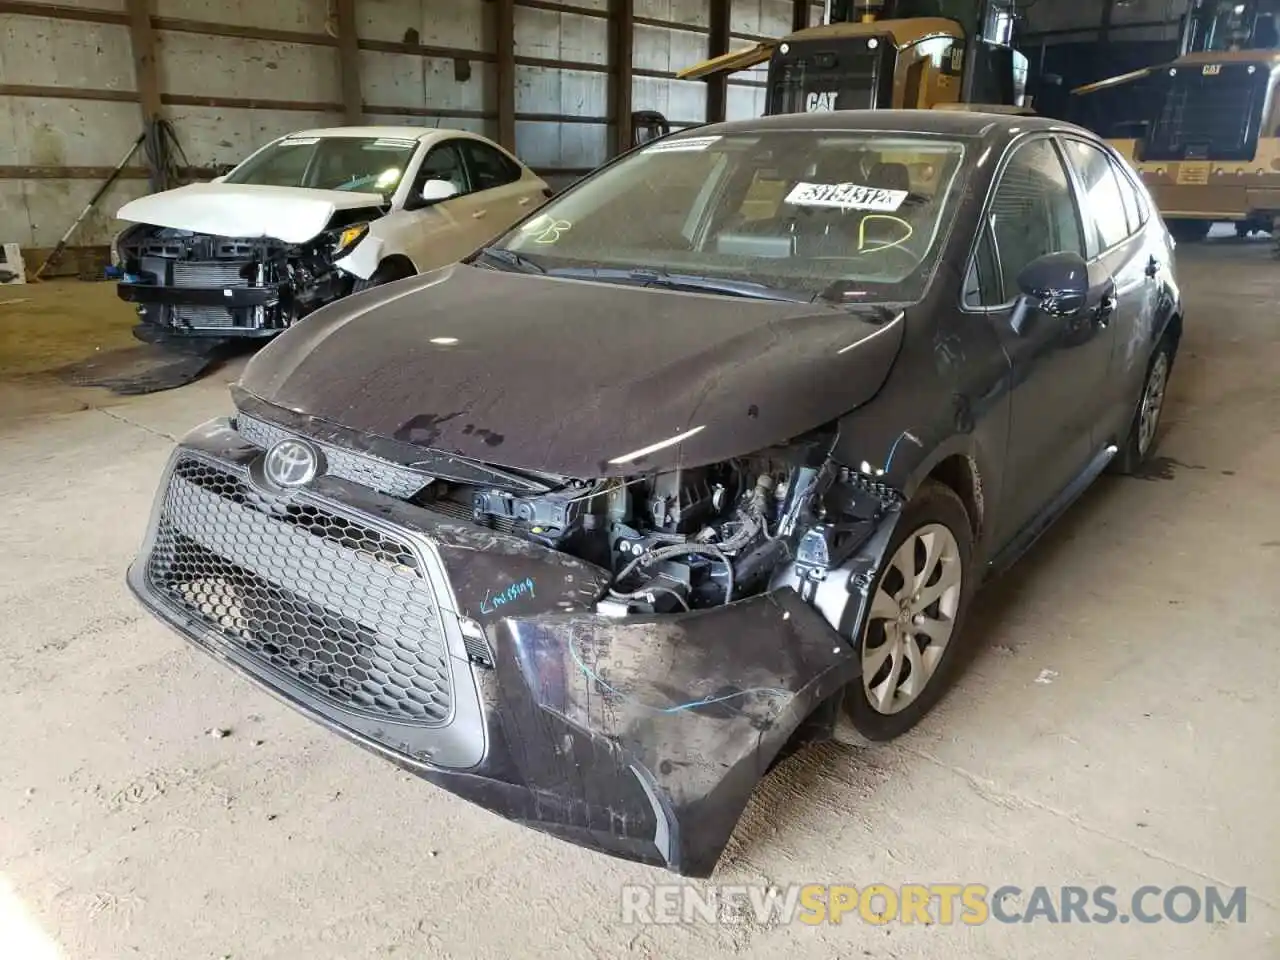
571	377
242	210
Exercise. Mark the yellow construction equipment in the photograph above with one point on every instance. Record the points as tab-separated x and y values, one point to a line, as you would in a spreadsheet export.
1210	149
915	54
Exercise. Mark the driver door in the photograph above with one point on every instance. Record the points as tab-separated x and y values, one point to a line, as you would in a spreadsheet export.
447	230
1058	365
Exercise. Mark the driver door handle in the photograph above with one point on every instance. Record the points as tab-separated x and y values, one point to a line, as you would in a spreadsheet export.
479	214
1105	308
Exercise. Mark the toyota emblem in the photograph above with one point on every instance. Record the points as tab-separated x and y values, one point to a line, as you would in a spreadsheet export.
291	463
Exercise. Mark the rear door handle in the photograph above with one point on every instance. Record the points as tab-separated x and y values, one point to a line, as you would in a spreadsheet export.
479	214
525	201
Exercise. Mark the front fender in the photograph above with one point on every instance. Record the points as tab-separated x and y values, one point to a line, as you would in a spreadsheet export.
364	259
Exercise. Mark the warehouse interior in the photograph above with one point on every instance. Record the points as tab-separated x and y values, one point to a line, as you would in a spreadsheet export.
1115	721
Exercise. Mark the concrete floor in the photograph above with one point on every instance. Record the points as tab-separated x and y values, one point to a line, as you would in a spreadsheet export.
1150	756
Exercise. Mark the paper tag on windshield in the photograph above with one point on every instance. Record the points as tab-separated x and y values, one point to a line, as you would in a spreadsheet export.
846	196
683	145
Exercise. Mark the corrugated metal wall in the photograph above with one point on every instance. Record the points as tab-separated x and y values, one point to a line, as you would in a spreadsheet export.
233	74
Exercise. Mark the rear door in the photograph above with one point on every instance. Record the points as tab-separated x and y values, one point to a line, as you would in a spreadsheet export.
502	190
1118	248
1058	364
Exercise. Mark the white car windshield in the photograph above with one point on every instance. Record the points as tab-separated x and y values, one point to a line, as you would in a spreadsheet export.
358	164
801	211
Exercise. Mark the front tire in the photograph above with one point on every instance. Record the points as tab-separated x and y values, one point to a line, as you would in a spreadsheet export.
911	634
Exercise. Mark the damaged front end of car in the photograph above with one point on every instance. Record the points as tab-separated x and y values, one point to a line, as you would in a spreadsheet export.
187	284
615	662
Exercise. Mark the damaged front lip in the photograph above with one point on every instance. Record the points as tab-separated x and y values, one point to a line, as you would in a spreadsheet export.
642	737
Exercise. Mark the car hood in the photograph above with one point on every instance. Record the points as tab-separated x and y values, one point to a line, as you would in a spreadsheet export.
572	377
242	210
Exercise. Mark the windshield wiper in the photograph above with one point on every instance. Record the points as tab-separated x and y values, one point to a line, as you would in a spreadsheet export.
512	259
692	283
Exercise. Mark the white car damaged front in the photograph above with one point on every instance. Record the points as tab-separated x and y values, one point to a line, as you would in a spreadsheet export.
309	219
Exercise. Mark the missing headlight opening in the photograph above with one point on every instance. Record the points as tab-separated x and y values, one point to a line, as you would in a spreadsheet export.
687	539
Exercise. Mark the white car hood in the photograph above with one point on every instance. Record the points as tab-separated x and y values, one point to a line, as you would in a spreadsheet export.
288	214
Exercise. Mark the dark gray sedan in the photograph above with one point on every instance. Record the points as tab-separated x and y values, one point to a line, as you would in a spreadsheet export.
702	461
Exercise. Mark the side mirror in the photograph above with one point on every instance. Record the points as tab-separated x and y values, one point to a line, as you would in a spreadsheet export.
433	191
1057	283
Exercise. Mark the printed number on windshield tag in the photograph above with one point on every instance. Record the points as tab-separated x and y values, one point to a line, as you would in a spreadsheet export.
846	196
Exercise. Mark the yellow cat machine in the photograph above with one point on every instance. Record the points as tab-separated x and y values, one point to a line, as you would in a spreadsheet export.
1209	150
926	54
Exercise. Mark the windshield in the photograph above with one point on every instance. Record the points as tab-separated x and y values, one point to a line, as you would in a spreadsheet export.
816	214
822	76
358	164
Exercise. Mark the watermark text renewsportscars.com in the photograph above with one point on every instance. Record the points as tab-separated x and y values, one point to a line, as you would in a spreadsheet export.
934	903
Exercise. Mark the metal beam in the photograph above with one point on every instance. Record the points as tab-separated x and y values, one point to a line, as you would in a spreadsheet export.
621	57
349	62
146	72
718	46
506	73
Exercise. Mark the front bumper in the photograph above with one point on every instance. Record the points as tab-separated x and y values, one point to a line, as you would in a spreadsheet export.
223	312
642	737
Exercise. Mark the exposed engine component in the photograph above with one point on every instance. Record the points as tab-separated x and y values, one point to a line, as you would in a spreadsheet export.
691	538
192	281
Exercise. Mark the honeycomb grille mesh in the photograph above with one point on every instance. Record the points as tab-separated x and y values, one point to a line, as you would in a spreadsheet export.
364	469
338	607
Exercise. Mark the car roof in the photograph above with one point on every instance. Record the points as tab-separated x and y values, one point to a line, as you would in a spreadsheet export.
396	132
957	123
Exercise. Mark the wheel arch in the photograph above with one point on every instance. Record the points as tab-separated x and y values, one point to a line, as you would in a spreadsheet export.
959	465
400	260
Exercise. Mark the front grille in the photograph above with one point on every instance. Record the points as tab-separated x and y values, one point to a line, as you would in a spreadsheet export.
306	592
362	468
214	273
1209	116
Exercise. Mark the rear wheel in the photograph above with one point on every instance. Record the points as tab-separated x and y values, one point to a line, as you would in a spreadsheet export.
1189	231
911	635
388	271
1146	418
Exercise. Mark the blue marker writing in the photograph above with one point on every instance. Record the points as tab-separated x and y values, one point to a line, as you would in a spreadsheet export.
493	601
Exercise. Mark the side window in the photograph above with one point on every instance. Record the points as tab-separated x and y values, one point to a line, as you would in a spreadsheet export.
489	168
1103	199
1032	213
982	285
1134	207
444	162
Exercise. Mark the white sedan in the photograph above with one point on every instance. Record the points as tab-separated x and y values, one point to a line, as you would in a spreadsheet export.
310	218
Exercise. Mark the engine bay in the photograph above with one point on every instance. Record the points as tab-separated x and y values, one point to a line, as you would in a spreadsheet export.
684	539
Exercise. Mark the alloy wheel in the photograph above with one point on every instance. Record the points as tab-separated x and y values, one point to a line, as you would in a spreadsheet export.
912	618
1152	402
